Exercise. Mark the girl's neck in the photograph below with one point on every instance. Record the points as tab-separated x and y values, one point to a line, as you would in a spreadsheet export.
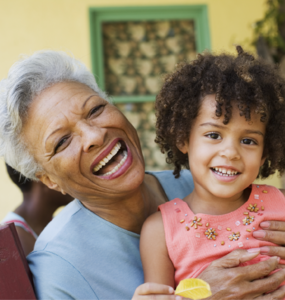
201	202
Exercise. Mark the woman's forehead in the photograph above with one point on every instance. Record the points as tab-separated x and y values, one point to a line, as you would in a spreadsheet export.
63	93
55	105
65	97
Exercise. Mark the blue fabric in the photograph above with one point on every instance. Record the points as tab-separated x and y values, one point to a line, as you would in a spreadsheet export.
82	256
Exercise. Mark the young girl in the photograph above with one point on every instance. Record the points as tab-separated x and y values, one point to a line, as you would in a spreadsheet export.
224	118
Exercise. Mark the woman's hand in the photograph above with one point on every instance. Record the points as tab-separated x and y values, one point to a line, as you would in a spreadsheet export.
155	291
229	282
274	232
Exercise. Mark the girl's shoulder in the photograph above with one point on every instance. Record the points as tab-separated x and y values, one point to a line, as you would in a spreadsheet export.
152	232
153	220
270	190
282	191
161	221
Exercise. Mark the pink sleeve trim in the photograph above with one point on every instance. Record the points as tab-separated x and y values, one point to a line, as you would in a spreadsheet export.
23	225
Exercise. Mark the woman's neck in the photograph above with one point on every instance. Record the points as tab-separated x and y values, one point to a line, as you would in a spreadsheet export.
201	202
130	211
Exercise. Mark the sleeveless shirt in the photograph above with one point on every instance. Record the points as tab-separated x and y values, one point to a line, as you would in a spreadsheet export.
195	240
12	217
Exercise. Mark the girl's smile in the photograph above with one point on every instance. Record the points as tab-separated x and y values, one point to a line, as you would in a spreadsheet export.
224	159
225	174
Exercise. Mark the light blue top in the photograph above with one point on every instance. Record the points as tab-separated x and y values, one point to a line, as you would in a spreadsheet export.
82	256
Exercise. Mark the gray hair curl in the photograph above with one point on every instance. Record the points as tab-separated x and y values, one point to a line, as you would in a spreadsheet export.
26	79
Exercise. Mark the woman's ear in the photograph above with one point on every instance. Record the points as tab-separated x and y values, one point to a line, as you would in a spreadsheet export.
46	180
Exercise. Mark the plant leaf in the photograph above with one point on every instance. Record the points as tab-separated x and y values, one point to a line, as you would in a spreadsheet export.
193	288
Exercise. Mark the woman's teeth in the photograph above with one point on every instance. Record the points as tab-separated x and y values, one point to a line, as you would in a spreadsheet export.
105	160
118	165
224	172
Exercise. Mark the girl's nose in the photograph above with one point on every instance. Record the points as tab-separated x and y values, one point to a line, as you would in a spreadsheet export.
92	136
230	152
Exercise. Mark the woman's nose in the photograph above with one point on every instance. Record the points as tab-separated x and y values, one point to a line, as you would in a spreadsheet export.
230	151
92	136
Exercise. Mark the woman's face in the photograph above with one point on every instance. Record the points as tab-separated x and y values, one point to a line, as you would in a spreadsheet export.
85	145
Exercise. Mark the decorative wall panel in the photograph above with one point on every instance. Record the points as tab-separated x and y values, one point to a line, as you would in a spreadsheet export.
141	115
137	54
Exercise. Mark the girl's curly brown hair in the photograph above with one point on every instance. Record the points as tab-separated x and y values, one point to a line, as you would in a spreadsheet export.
251	83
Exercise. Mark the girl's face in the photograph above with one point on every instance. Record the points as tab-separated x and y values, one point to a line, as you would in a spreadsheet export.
224	159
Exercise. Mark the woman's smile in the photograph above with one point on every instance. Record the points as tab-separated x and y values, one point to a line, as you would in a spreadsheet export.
113	161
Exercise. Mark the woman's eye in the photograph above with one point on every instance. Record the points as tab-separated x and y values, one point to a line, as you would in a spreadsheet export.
95	109
60	143
248	142
214	136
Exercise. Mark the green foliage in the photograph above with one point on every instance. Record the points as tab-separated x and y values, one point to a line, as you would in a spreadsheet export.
269	27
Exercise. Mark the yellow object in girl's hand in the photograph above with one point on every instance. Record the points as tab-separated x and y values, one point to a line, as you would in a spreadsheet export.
193	288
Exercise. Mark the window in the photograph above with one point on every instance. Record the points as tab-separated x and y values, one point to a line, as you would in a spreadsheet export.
133	47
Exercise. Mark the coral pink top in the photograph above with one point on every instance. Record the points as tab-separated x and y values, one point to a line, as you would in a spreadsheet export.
194	241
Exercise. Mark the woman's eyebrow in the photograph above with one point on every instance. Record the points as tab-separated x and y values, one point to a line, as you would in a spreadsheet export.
56	130
83	105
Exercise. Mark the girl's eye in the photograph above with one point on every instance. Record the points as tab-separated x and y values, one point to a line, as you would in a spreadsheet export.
248	142
60	143
214	136
95	109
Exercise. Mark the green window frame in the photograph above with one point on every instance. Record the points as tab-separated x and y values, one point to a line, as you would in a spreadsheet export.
98	15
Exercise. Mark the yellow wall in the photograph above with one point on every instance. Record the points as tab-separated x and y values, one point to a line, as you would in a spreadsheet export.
30	25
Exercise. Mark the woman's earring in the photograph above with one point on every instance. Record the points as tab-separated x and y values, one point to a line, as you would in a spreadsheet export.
63	192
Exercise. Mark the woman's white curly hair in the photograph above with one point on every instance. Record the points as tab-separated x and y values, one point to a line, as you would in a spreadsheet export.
26	79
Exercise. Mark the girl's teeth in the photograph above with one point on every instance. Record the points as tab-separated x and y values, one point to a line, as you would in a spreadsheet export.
224	172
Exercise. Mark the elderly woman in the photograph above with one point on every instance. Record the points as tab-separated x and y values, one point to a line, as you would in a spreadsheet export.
57	127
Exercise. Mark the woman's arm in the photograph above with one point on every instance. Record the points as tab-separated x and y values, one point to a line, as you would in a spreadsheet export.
157	265
229	282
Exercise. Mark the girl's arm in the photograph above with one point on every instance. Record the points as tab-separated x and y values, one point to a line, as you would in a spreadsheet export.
157	265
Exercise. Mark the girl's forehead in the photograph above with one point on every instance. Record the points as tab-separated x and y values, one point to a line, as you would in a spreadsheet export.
207	113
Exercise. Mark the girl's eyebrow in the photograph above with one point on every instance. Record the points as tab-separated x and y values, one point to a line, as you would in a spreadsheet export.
212	124
222	126
254	131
